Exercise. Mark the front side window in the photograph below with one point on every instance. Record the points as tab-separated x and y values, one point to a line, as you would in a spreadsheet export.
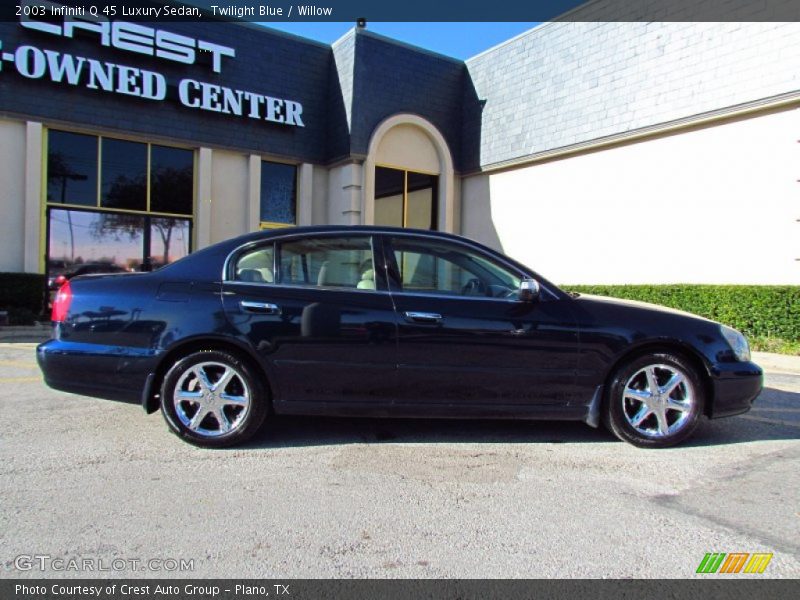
336	262
442	268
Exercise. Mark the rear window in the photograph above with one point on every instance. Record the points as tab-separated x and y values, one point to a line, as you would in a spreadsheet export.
340	262
256	266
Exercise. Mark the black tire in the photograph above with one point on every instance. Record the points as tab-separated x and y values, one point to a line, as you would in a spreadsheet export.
628	402
217	418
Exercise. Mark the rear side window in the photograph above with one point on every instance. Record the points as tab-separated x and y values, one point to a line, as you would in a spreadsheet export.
256	266
335	262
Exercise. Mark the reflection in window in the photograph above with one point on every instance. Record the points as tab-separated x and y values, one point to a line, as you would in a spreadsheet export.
328	262
71	168
123	174
171	180
405	198
169	240
278	193
389	194
79	237
420	200
125	231
130	241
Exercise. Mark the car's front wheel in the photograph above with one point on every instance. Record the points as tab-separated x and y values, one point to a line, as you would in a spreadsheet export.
213	399
655	400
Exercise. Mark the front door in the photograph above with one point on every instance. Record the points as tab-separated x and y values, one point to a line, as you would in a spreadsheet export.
318	312
464	336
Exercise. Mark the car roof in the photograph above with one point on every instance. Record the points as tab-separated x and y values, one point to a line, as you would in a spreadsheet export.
361	229
208	262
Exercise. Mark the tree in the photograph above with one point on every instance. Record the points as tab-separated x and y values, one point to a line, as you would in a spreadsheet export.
166	185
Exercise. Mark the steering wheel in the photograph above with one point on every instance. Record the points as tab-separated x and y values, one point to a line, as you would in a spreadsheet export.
474	287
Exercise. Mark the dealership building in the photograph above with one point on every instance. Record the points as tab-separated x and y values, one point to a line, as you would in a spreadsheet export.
593	152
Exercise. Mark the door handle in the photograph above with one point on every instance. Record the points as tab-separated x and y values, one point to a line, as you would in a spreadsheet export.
263	308
422	317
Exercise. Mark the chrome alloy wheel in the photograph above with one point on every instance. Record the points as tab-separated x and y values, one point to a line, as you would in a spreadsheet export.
212	399
658	400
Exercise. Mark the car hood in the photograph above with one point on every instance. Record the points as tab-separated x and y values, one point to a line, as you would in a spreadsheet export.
589	299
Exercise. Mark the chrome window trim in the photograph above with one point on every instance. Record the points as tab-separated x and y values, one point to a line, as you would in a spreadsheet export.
292	286
366	291
455	297
481	251
290	236
385	233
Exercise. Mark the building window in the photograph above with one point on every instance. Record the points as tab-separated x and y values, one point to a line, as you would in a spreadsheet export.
123	174
278	194
405	198
72	168
116	204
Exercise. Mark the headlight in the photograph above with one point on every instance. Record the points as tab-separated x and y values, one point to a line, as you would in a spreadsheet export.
737	342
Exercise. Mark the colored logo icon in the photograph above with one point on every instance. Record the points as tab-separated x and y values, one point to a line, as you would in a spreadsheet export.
734	562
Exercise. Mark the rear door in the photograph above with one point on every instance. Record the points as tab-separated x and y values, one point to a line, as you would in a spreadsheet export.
319	313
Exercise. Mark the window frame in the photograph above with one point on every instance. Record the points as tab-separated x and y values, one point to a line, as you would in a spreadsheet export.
147	225
376	248
98	183
267	225
394	278
97	207
434	224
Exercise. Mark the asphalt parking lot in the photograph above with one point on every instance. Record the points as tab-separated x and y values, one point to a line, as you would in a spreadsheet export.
83	478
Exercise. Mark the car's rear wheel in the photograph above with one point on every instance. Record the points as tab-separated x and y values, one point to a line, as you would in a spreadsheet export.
213	399
655	400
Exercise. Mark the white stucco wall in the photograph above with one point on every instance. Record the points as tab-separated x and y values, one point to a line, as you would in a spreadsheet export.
408	147
319	196
345	194
713	205
12	196
229	193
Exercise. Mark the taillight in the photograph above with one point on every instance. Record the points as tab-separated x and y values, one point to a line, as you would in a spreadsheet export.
61	303
59	281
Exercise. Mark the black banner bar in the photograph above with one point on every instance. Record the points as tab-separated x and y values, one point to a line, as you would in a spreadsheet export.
407	10
711	588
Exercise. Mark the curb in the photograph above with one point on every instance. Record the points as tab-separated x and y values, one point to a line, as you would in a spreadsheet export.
783	363
34	333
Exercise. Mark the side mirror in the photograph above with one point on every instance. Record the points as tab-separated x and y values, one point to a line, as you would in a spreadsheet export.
528	290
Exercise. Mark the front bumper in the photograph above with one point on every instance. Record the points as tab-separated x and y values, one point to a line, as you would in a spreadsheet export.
736	386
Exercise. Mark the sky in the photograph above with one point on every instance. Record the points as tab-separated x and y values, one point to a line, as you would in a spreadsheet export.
459	40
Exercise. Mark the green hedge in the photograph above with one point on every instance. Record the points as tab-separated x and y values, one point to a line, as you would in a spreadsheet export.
22	295
755	310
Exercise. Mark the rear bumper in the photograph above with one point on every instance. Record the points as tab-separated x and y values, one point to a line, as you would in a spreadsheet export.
108	372
736	386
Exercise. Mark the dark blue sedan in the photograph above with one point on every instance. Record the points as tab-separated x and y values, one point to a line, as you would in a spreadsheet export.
372	321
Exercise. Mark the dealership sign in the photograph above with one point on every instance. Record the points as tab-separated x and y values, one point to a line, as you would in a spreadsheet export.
63	68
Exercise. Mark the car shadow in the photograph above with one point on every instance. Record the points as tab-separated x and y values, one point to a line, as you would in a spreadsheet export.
775	416
294	431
